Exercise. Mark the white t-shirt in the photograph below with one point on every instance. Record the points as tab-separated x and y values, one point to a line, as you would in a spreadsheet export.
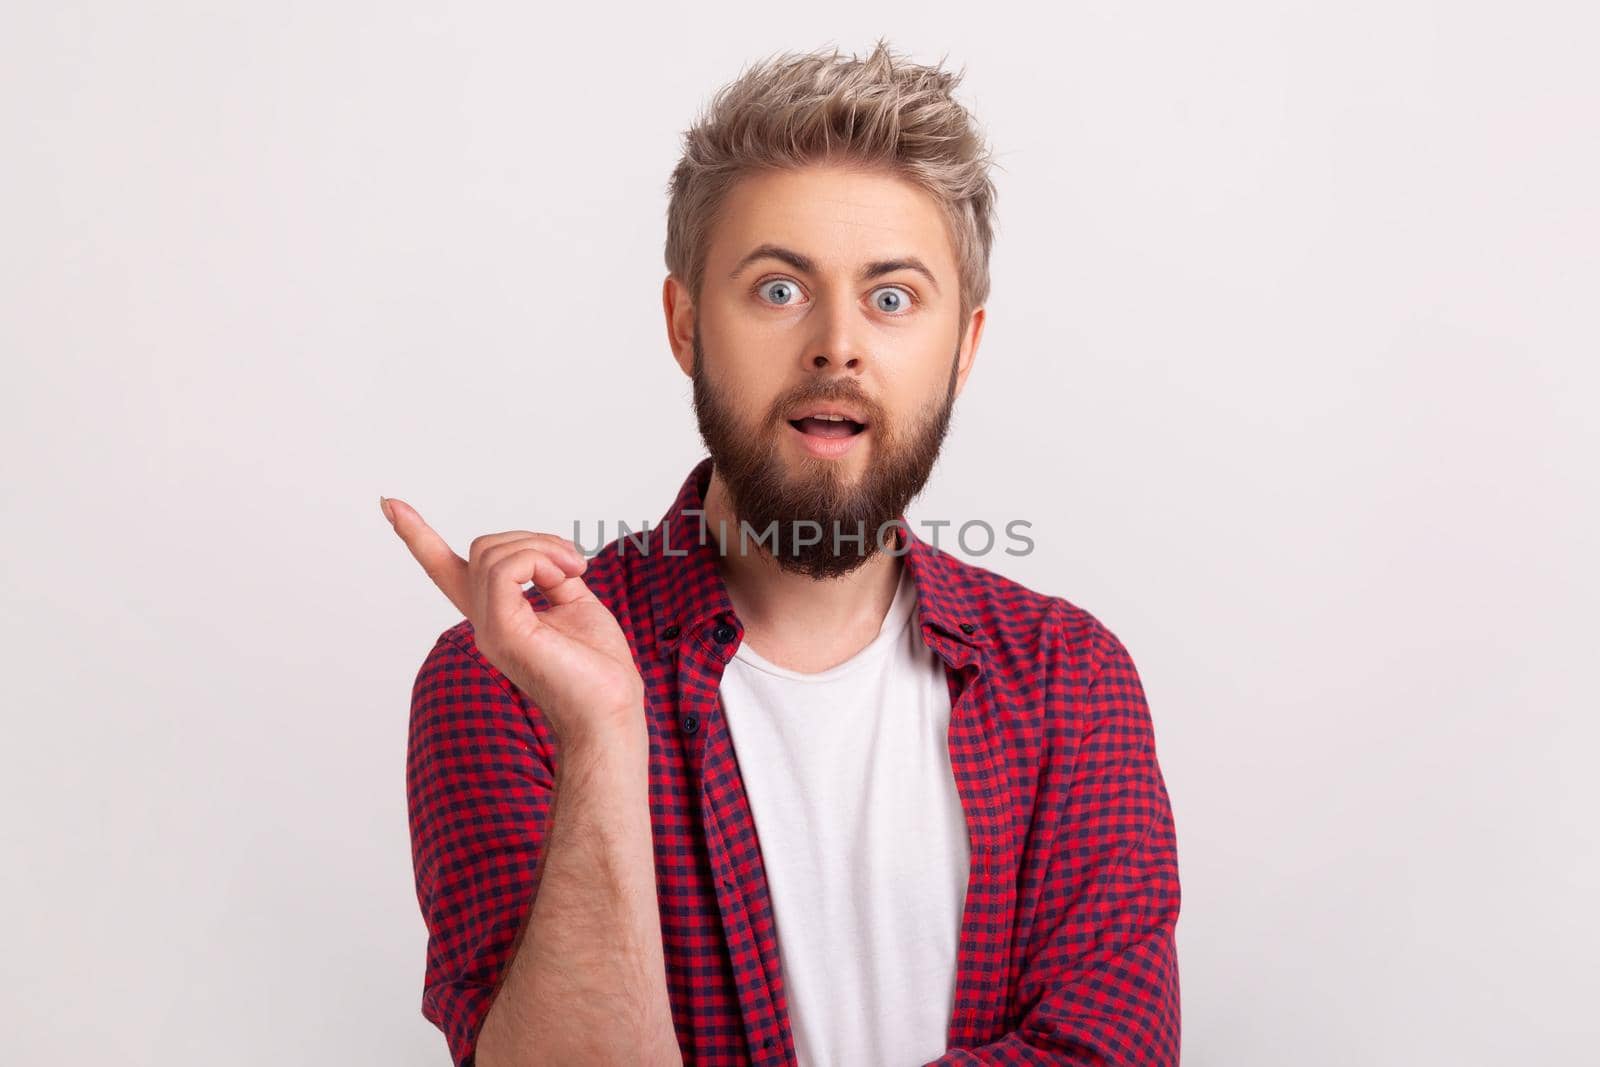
863	839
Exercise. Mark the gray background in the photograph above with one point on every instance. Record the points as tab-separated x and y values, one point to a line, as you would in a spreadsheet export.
1290	364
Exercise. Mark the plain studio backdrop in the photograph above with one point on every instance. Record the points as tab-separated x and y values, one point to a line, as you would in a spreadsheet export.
1289	364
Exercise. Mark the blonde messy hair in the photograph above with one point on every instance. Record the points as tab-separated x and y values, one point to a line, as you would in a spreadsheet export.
795	109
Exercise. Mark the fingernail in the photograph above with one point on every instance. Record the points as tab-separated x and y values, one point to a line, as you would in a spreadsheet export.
388	512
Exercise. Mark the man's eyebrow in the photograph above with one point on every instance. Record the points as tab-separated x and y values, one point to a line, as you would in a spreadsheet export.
806	265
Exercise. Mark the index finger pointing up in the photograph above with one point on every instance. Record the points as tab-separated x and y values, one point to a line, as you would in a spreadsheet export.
438	559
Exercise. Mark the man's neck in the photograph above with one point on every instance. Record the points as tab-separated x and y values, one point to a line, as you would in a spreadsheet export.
803	623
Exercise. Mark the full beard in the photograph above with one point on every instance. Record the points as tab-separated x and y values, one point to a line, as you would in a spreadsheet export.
820	525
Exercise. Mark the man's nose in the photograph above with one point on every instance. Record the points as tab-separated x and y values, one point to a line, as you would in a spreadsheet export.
841	341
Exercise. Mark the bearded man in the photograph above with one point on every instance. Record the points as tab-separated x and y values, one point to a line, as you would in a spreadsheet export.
790	784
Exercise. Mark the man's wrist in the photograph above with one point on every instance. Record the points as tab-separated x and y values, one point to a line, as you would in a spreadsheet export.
608	739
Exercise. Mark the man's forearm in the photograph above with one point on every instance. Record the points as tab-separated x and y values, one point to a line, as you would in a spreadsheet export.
587	981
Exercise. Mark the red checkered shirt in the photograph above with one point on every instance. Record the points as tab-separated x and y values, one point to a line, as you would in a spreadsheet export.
1067	951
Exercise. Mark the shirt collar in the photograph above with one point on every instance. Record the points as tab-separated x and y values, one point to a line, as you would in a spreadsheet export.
687	591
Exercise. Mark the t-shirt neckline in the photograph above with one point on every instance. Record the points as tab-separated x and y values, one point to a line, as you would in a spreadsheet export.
889	631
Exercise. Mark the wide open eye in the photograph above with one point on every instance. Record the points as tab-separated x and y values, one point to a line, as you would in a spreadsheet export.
892	300
897	306
783	291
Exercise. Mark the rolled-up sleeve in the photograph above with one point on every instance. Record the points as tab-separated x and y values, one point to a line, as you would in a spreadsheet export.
478	790
1099	984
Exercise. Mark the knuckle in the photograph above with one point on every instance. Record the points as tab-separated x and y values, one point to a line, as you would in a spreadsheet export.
497	567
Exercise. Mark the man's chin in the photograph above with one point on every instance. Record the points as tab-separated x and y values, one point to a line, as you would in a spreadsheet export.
831	492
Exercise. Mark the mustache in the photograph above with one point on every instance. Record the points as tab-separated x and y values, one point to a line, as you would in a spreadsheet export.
851	397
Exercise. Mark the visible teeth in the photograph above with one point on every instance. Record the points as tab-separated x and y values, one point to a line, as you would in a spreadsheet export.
831	418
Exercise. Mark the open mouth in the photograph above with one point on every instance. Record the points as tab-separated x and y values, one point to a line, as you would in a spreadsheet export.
827	428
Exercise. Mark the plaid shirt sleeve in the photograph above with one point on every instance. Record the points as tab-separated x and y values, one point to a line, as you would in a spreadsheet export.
1099	984
478	789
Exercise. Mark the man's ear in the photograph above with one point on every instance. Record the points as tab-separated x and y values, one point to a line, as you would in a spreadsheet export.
969	347
679	311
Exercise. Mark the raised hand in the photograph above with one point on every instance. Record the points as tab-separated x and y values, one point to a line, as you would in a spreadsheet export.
572	660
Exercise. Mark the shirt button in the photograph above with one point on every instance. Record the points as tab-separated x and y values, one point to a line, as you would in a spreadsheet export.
670	632
723	633
967	627
690	724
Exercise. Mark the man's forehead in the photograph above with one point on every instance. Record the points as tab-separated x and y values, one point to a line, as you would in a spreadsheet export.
871	220
847	196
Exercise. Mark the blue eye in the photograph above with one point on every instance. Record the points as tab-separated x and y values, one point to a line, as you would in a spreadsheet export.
781	285
902	299
893	300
